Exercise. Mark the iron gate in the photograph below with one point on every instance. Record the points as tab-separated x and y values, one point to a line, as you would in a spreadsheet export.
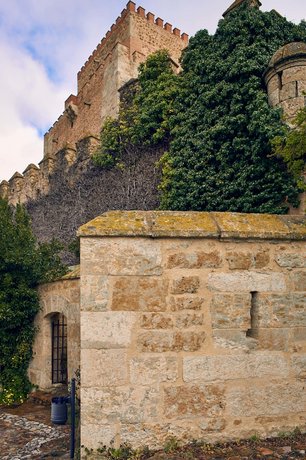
59	349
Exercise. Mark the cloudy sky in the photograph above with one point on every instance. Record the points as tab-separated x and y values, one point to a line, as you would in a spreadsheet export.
43	44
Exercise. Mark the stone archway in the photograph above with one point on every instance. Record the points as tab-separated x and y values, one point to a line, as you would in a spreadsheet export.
55	358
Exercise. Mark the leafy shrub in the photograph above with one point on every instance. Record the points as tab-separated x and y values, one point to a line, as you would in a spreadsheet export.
23	264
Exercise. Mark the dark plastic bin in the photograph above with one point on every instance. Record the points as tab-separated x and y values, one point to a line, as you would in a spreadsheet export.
59	412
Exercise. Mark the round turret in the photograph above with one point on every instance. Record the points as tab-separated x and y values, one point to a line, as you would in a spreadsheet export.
285	78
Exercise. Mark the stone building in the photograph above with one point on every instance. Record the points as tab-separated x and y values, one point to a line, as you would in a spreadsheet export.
183	324
191	325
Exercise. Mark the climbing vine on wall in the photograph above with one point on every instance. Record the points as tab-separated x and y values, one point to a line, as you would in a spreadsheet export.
220	152
213	119
146	107
291	146
23	264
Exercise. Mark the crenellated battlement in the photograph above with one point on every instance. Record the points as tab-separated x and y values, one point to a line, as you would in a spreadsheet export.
130	40
34	182
140	11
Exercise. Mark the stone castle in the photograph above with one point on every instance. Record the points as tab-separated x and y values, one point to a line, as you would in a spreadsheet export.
130	40
182	324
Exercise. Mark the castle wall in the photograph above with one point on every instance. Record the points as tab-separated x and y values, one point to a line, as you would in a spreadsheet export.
134	36
58	297
193	325
80	192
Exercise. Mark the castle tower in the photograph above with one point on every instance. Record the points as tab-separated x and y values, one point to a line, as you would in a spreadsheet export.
285	79
131	39
237	3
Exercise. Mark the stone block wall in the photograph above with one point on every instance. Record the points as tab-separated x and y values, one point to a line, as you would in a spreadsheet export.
63	297
192	325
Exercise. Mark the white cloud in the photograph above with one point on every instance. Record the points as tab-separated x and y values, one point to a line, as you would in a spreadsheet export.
28	100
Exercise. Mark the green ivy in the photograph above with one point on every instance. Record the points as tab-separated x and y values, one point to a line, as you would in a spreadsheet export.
23	265
291	147
221	131
144	115
213	120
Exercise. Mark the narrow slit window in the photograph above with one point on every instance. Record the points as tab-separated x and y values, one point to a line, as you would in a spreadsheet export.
254	315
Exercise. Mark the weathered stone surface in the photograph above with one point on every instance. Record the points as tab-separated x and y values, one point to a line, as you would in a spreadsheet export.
247	260
161	381
213	424
266	399
156	435
194	224
127	404
120	256
275	339
161	341
234	339
143	294
288	91
153	370
94	434
156	321
236	225
186	303
298	362
291	106
239	260
281	310
198	259
185	284
95	293
299	281
295	73
189	319
230	311
193	401
291	260
247	281
102	368
232	367
180	223
262	259
299	333
106	329
274	96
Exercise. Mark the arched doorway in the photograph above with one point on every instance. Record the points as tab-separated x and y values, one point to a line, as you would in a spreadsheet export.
59	348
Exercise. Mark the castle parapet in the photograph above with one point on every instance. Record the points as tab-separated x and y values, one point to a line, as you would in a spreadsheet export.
16	184
31	177
4	189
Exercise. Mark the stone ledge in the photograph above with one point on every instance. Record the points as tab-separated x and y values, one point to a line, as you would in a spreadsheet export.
175	224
